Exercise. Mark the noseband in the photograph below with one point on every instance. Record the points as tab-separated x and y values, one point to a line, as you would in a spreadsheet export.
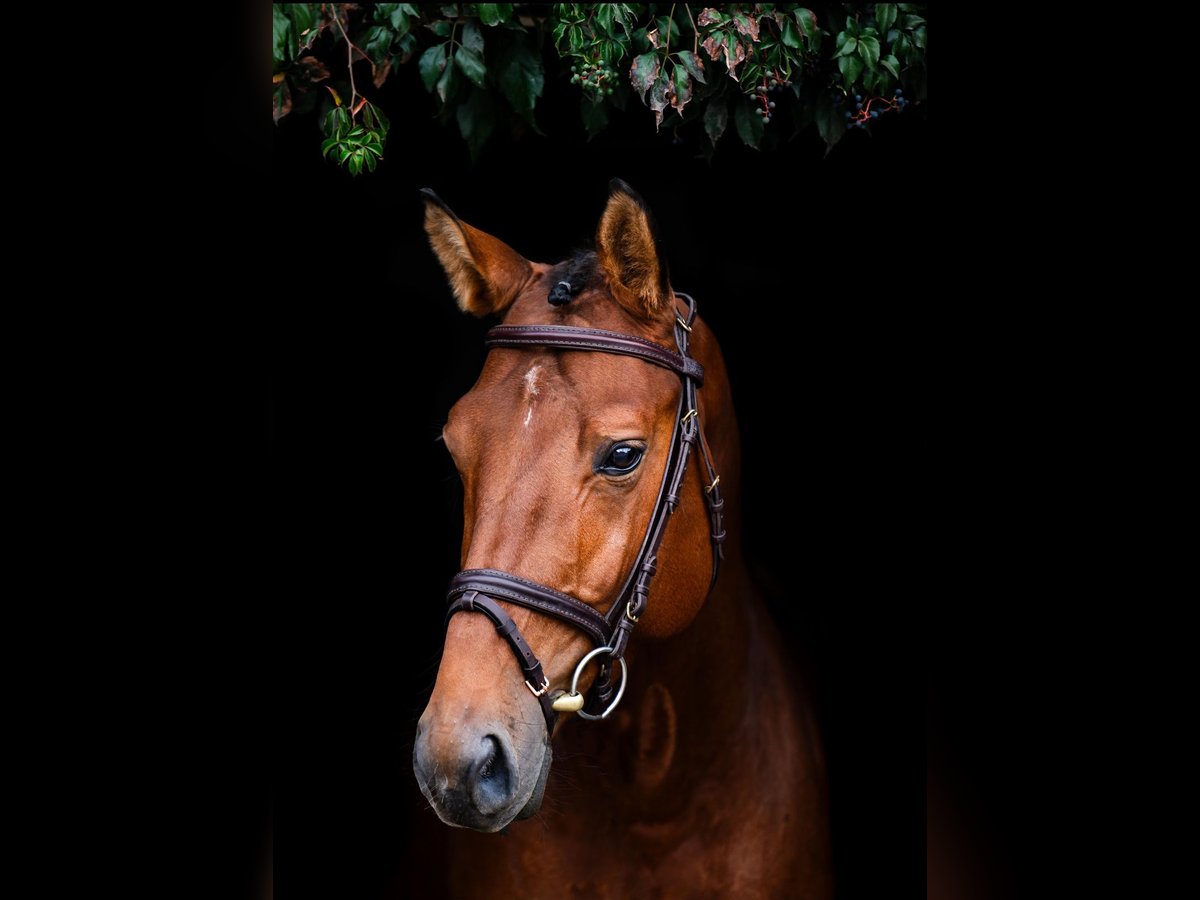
477	590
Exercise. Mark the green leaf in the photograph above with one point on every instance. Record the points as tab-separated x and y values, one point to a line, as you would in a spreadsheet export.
328	145
892	64
851	67
885	15
472	65
851	25
791	37
868	49
305	17
370	161
643	72
594	115
576	38
355	164
903	46
476	119
495	13
807	20
378	42
431	64
604	16
401	17
450	82
749	123
830	124
911	22
693	64
919	37
440	27
280	25
683	88
716	118
472	36
521	77
847	48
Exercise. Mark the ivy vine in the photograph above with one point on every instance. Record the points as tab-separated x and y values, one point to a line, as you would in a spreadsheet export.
831	66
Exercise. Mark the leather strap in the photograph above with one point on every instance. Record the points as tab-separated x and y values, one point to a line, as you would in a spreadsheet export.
535	596
569	337
531	667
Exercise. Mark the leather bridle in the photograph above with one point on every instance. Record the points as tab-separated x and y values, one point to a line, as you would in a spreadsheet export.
478	590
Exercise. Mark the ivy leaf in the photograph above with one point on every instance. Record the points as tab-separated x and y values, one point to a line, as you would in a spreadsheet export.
683	89
693	63
379	39
710	16
441	28
471	64
594	115
807	20
643	72
919	37
658	96
868	49
495	13
749	125
522	78
892	64
476	119
747	25
280	45
851	67
911	22
431	64
903	47
472	36
885	15
604	16
449	83
790	37
716	118
830	124
849	47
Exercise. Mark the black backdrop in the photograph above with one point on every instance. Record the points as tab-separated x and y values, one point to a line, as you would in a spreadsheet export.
813	272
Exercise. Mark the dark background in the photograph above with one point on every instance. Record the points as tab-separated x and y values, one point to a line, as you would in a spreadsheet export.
815	273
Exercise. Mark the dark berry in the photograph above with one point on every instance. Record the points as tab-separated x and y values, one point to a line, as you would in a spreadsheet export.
874	114
899	90
771	104
858	97
858	106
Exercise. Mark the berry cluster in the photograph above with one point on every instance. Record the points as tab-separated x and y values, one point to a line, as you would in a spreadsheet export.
770	85
598	77
863	113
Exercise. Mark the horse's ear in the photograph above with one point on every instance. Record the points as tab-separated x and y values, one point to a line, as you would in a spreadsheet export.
631	253
485	273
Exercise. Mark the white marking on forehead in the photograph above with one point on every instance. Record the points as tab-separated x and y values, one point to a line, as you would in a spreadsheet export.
531	390
531	379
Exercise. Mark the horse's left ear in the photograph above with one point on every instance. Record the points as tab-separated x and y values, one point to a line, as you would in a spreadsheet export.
485	273
631	253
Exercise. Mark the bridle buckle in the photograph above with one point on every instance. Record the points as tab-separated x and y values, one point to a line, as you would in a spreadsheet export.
537	692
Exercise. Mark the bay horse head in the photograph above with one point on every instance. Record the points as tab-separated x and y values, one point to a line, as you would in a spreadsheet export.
573	449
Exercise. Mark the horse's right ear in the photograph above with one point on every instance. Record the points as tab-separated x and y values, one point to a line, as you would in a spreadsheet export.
485	273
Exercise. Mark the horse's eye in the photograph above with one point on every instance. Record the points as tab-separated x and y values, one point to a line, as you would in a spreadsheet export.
621	459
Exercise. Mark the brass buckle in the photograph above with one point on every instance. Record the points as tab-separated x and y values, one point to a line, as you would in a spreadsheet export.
686	327
716	481
629	612
536	692
691	414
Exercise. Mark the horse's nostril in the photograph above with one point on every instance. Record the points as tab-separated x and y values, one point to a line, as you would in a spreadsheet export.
495	782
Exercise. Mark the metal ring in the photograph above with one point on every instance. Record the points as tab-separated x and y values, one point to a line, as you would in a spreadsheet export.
579	671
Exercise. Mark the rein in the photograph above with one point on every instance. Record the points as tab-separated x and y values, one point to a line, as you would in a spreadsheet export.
478	590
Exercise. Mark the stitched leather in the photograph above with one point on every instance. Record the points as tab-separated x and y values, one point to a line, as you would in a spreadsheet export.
573	338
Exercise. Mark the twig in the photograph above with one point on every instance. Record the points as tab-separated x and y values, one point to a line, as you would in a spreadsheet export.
670	21
349	57
695	32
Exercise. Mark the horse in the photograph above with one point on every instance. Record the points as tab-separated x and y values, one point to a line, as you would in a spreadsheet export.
603	578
